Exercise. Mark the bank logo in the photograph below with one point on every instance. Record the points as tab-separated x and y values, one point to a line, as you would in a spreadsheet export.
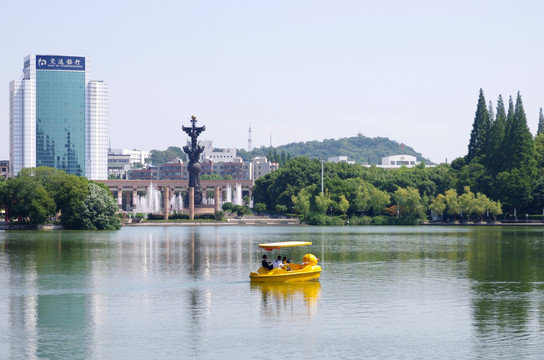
48	62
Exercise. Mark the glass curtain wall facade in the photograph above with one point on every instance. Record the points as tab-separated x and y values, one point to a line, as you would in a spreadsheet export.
60	120
58	117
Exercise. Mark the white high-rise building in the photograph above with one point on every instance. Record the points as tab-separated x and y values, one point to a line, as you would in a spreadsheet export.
59	117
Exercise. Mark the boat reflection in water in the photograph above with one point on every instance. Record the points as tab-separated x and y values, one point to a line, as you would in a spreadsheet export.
281	299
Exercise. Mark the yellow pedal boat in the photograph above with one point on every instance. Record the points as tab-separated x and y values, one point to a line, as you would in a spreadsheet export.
291	272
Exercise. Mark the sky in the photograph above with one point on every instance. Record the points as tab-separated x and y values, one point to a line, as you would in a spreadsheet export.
291	70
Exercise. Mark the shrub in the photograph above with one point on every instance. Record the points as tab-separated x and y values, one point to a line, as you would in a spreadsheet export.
282	209
360	220
228	206
179	216
321	219
219	215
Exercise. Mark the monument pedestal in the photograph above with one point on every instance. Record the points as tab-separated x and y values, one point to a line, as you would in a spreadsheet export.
217	206
166	197
191	203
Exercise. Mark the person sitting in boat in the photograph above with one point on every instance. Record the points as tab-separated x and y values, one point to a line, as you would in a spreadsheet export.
285	263
278	264
266	264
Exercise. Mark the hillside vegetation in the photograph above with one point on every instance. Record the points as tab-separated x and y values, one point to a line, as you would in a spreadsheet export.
361	149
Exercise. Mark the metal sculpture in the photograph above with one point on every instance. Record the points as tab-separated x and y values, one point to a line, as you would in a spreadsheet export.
193	150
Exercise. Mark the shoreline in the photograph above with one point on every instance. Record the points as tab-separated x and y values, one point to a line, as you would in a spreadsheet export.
12	226
229	222
248	222
498	223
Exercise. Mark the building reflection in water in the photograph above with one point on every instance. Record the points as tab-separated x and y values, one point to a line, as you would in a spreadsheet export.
23	309
48	303
67	293
284	300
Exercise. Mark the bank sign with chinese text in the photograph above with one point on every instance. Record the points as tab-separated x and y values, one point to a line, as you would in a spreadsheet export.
51	62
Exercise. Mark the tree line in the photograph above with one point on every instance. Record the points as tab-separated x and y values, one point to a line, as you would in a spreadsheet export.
40	195
504	160
501	176
369	195
159	157
361	149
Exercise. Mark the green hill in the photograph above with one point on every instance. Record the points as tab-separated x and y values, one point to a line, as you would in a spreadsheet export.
361	149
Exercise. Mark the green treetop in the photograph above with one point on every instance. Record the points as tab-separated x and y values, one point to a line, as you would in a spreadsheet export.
496	137
480	130
540	123
518	142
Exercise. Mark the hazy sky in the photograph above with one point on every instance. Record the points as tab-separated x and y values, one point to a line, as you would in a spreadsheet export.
292	70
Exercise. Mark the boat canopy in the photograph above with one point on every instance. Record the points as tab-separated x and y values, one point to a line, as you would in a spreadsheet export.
279	245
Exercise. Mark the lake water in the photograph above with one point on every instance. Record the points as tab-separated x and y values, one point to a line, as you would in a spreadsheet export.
165	292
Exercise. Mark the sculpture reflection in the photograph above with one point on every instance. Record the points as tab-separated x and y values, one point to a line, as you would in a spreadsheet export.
281	299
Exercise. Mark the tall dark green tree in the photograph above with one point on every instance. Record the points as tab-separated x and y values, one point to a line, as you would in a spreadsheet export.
540	123
539	146
283	158
480	130
495	139
518	145
520	165
507	146
488	148
490	113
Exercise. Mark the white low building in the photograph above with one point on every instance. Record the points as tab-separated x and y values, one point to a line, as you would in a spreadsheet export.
136	156
399	160
340	159
216	155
